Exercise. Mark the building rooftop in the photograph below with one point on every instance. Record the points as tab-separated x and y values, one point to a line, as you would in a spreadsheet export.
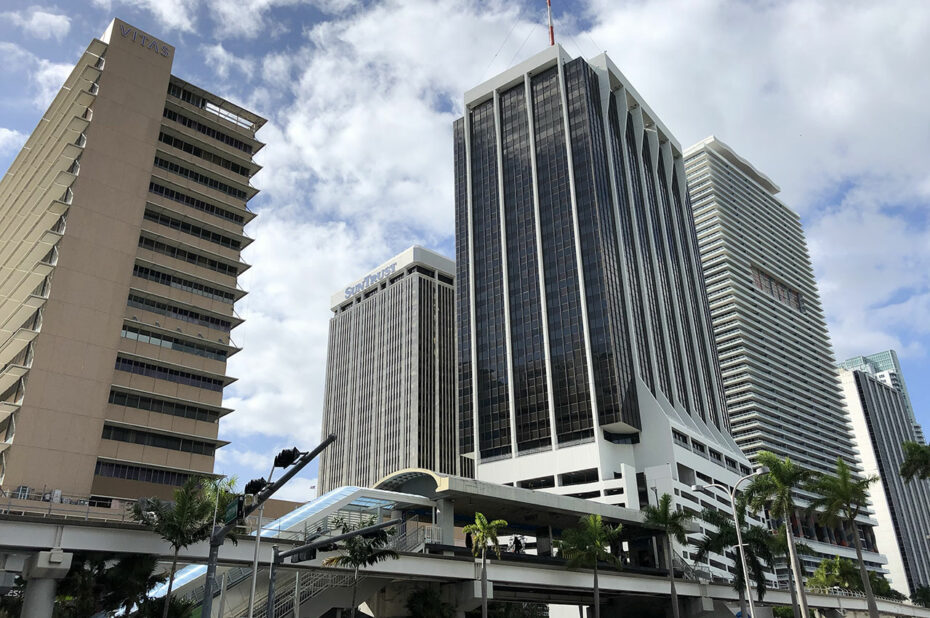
722	149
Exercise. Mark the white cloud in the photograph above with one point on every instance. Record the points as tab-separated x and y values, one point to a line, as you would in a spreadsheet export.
172	14
246	18
11	141
223	61
42	79
39	23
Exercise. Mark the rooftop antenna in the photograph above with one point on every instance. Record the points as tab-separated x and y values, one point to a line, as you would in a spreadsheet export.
551	31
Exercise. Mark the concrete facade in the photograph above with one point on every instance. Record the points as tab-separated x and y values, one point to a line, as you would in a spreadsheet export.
122	222
881	423
782	394
390	373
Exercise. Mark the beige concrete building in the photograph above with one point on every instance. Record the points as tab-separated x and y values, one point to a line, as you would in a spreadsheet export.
121	226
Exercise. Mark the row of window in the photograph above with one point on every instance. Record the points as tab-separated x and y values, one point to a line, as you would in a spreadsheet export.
173	343
145	438
139	473
193	230
182	410
188	256
183	284
776	289
171	311
208	131
193	202
206	155
199	178
171	375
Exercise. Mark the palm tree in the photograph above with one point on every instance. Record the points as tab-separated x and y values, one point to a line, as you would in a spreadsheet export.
757	543
672	522
128	581
181	523
841	498
484	532
775	490
584	547
362	550
921	596
779	544
916	461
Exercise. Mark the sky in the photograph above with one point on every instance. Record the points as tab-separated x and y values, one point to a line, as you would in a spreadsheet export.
827	98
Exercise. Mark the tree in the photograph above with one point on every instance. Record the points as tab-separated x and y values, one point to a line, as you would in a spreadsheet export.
427	603
883	588
584	547
779	545
484	532
836	572
916	461
921	596
361	550
672	522
183	522
840	499
174	607
775	490
757	543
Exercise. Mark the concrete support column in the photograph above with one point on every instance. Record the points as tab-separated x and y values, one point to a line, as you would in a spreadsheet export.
445	520
42	572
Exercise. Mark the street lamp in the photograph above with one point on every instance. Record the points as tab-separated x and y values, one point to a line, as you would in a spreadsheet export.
739	530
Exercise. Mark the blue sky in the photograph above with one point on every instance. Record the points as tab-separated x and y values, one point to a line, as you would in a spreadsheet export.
827	98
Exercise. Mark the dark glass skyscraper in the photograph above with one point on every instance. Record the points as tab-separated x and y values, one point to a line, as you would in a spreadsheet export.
584	339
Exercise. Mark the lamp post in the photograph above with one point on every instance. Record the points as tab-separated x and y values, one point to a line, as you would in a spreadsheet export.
739	529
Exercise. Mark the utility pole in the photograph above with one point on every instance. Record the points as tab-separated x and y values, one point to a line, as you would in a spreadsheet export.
219	533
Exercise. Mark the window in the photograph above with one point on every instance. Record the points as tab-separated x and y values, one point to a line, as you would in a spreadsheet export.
153	404
543	482
139	473
178	313
193	230
171	375
579	477
206	155
183	284
173	343
208	131
146	438
188	256
197	177
771	286
193	202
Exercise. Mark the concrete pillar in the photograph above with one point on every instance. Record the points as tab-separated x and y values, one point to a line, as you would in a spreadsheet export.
544	541
445	520
42	572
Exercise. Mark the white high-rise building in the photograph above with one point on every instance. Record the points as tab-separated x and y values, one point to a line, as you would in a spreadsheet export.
586	365
390	373
881	423
771	337
884	366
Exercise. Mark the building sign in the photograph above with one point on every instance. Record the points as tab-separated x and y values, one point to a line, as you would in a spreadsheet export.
128	32
371	279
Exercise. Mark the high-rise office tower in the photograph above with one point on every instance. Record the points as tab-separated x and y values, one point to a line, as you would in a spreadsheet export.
881	423
390	373
121	224
771	337
887	370
585	354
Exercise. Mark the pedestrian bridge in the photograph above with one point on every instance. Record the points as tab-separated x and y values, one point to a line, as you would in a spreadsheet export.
432	553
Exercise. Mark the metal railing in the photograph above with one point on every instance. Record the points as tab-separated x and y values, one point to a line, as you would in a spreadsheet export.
29	501
836	591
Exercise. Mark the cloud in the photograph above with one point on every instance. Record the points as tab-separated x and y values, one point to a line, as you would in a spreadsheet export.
223	61
246	18
11	141
42	78
39	23
171	14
